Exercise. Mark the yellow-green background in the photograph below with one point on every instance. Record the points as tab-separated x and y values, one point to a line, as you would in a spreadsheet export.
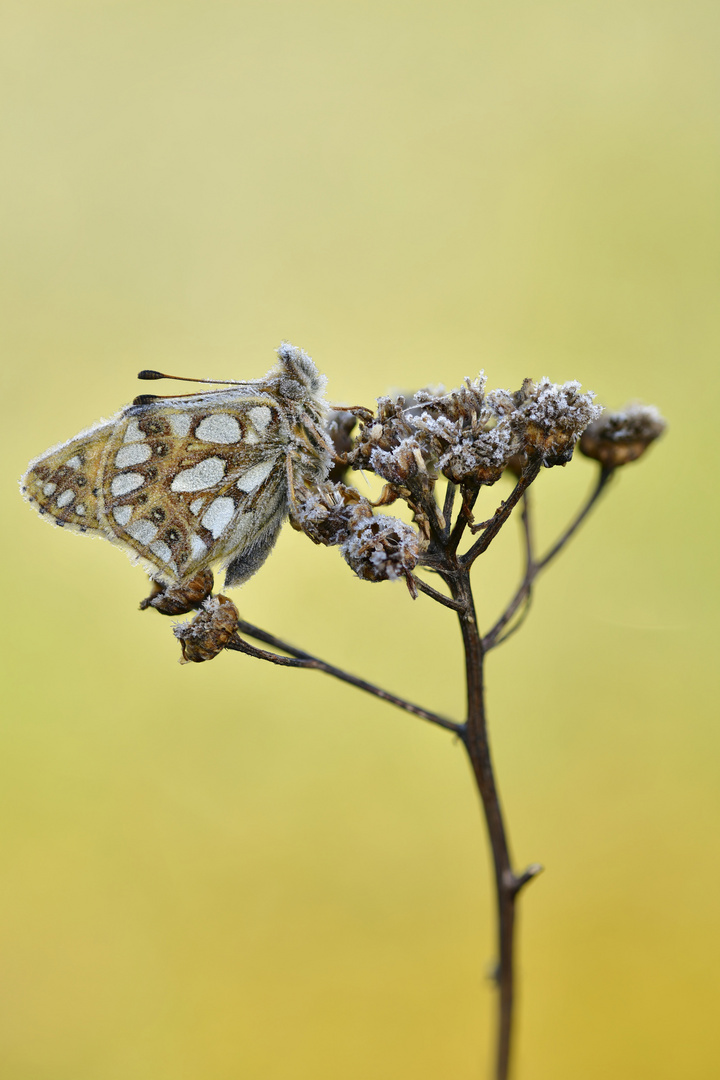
231	871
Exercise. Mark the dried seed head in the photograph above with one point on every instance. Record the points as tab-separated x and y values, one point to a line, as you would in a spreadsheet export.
180	599
209	632
619	438
550	418
382	549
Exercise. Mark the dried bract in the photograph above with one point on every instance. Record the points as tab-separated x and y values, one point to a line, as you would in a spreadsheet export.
619	438
382	549
339	426
550	417
209	632
180	599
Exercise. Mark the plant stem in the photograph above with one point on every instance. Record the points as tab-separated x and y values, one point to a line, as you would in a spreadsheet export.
507	883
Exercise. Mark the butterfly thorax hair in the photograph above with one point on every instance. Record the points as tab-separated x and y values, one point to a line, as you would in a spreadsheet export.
184	483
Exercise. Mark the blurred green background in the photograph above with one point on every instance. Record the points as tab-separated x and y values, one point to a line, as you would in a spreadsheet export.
229	870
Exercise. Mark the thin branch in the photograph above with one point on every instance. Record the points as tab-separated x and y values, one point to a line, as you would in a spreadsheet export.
298	658
533	567
524	590
502	514
440	597
464	518
603	478
525	603
521	880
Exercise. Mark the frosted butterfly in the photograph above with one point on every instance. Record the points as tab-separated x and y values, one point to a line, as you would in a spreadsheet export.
184	483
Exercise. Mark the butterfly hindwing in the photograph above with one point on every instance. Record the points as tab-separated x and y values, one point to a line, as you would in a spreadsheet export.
63	483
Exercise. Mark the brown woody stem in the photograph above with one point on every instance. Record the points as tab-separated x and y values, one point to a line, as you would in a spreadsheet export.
507	883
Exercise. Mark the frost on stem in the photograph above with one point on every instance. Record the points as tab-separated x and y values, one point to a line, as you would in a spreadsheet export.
621	437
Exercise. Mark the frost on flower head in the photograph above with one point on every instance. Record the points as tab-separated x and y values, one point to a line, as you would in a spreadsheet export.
205	636
329	513
552	417
382	548
376	547
467	431
621	437
465	434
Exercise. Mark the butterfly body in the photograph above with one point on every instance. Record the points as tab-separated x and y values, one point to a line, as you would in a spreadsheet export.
184	483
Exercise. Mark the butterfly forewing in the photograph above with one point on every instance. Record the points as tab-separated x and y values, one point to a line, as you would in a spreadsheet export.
186	483
64	481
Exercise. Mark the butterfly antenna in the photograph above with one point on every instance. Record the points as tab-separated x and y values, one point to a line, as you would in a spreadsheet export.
150	376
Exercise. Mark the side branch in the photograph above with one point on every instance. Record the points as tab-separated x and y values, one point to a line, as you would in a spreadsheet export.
447	601
502	514
534	566
603	478
297	658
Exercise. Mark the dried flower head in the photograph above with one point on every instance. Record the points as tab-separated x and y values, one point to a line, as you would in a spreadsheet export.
387	445
621	437
382	549
464	434
551	417
209	632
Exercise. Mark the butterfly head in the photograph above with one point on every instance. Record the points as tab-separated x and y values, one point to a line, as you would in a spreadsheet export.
299	378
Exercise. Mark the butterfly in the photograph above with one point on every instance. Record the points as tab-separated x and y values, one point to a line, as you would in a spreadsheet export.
184	483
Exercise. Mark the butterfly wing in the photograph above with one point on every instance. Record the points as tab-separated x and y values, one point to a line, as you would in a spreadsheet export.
191	482
63	483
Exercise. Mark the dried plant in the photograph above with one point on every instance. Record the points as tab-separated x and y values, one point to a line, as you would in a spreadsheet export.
275	442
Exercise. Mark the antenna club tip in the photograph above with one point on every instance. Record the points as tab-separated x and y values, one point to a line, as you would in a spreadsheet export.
149	375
